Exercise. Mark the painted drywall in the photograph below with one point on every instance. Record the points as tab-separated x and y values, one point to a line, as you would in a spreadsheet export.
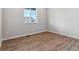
64	21
13	22
0	23
0	26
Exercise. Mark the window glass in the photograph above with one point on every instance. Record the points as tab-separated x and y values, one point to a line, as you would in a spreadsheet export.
30	15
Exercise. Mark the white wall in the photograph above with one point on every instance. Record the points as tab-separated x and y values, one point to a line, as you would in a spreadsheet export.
64	21
0	23
13	22
0	26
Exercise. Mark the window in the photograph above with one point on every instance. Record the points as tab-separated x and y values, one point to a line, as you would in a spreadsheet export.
30	15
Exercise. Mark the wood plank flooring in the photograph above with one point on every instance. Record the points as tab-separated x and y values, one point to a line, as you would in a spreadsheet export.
45	41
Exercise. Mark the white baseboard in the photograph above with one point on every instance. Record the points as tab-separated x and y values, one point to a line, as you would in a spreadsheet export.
64	34
22	35
36	33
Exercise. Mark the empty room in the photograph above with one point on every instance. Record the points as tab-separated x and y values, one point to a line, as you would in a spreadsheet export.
39	29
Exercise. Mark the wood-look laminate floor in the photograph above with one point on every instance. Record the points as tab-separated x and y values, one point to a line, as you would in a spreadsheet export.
45	41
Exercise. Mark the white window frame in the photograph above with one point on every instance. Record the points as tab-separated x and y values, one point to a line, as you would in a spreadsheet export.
36	17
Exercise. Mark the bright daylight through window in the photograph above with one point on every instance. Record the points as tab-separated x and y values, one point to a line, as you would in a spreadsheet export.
30	15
